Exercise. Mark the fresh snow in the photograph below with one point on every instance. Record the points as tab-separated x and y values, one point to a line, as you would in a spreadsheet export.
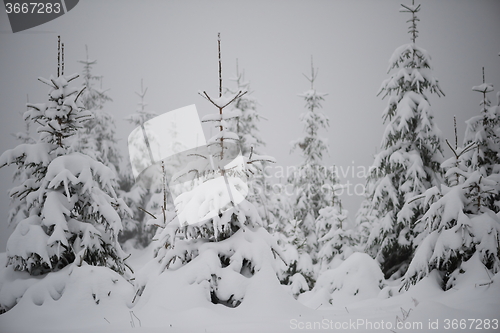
175	304
225	257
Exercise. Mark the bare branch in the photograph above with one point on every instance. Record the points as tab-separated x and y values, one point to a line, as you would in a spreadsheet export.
81	91
199	155
238	95
46	82
453	150
145	211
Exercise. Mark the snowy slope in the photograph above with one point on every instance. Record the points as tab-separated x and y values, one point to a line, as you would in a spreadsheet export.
267	307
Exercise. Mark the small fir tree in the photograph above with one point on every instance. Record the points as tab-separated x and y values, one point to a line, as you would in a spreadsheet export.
336	241
459	227
298	274
483	130
73	209
462	224
222	243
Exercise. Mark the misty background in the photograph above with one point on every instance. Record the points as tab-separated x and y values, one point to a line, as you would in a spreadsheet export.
172	46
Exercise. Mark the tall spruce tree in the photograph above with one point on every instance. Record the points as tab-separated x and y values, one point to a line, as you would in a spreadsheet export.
73	209
313	182
410	157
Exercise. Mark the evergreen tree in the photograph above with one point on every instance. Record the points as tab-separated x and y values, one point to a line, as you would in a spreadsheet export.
216	237
313	182
483	130
138	195
98	140
298	274
365	218
409	162
246	124
280	208
462	224
336	242
250	142
73	208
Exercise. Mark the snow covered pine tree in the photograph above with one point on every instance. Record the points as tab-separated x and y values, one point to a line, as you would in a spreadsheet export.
462	221
98	138
73	210
213	258
483	130
409	162
139	197
251	142
314	183
336	241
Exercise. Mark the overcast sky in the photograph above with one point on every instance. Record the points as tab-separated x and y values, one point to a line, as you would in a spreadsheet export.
172	45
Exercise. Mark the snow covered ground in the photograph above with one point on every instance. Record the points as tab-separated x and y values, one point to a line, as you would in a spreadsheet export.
96	300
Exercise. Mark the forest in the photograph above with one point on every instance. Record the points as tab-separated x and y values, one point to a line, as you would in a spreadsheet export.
182	227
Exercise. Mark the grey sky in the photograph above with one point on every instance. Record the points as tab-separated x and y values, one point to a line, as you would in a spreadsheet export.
172	46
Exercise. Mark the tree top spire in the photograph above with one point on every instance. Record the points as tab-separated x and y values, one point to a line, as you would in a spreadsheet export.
412	30
314	74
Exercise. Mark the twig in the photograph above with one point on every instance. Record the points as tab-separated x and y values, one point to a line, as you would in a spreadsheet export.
453	150
137	293
277	254
484	284
133	314
145	211
220	67
456	136
62	59
238	95
58	55
55	84
81	91
416	198
47	83
199	155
